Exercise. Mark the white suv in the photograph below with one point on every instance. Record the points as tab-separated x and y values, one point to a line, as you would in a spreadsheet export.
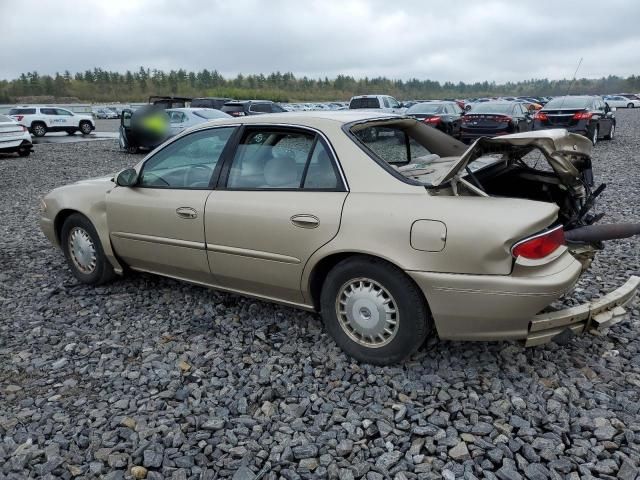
40	120
385	103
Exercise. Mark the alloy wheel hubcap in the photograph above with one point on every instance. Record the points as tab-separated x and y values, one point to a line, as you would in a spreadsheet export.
38	129
367	312
82	250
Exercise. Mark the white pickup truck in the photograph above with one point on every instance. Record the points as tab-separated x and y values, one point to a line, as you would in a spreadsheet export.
384	103
40	120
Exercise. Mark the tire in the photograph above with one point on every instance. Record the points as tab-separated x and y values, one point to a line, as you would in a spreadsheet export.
594	135
132	149
78	230
24	152
612	133
630	105
39	129
370	284
85	128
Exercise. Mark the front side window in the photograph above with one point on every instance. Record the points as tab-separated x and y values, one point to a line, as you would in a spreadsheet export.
260	108
60	111
177	117
281	160
189	162
393	102
48	111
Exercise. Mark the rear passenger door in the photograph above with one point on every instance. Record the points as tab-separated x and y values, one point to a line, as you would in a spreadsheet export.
280	199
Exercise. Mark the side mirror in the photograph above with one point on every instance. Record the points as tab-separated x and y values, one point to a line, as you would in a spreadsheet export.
127	178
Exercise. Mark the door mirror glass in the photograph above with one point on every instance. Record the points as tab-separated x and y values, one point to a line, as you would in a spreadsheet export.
127	178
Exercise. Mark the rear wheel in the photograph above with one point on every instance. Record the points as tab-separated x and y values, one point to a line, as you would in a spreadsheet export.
39	129
85	128
83	250
24	152
612	132
594	135
374	312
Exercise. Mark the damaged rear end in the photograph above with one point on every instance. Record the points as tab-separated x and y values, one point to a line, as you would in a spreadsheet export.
549	166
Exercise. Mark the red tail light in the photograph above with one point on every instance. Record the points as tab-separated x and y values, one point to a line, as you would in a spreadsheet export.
237	114
18	117
465	119
503	119
582	115
540	245
431	120
540	116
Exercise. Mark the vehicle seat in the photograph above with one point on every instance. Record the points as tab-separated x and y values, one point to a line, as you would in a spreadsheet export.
281	172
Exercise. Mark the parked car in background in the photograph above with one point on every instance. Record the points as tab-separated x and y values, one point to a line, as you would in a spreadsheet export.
620	101
14	138
41	120
490	119
282	208
240	108
182	118
104	113
584	114
383	103
445	116
209	102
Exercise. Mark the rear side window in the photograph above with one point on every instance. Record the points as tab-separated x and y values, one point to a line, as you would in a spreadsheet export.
22	111
260	107
364	102
233	108
275	160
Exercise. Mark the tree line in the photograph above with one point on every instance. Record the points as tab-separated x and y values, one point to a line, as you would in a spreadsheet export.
100	85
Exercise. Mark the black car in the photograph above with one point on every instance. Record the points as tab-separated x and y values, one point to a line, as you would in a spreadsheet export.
240	108
587	115
444	116
209	102
490	119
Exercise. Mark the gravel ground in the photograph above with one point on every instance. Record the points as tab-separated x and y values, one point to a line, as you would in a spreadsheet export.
151	377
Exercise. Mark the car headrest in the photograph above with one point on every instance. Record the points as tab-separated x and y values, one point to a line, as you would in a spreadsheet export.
281	172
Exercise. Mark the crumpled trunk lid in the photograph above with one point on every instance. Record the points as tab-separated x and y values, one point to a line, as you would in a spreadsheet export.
560	148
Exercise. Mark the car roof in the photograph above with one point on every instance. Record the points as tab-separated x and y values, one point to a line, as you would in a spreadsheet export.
309	119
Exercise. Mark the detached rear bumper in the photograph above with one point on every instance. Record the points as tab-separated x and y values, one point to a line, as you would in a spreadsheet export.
595	315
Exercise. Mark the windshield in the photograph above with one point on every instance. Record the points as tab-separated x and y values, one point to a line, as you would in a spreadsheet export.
210	113
568	102
425	108
490	107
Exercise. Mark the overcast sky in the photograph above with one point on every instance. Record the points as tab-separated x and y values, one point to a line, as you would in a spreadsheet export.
452	40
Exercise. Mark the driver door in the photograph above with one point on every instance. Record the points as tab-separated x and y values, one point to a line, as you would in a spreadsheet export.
158	225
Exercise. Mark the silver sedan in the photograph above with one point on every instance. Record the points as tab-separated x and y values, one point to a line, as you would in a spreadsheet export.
182	118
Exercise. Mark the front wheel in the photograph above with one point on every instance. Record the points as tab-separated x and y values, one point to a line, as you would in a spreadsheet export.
594	135
24	152
39	129
85	128
630	105
83	250
374	312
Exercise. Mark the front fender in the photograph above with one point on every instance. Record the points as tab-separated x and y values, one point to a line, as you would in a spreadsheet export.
88	199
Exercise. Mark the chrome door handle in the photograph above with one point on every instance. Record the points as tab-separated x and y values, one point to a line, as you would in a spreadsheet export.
186	212
305	221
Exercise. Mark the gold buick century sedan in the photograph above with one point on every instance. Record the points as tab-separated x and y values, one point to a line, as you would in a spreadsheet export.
392	230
